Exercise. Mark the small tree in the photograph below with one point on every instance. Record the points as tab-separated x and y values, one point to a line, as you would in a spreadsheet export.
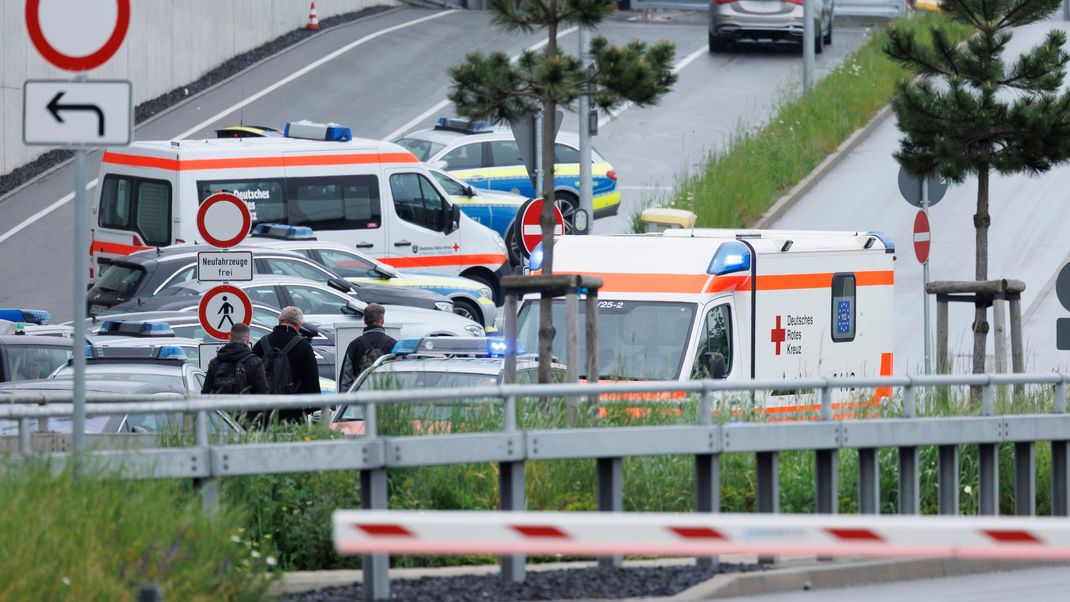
489	86
967	113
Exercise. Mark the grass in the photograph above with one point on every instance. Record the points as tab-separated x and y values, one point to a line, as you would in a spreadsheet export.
741	181
104	539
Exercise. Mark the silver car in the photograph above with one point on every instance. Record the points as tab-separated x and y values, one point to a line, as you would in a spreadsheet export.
773	20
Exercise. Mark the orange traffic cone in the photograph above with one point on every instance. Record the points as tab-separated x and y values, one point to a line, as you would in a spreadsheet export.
313	20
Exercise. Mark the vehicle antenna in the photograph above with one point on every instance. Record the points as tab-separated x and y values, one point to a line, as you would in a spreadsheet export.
241	111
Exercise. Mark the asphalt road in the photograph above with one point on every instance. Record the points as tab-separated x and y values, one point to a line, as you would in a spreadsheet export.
1034	585
1027	239
391	83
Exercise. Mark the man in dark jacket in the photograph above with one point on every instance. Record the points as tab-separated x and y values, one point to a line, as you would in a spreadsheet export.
303	371
235	368
368	347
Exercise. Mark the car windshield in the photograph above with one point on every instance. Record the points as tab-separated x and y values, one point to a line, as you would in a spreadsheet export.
173	381
637	340
120	279
93	425
423	149
393	381
28	362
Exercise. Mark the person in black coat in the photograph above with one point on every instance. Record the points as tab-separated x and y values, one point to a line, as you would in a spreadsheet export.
368	347
304	372
222	375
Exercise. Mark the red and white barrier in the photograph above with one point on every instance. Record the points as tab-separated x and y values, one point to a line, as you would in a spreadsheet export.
595	534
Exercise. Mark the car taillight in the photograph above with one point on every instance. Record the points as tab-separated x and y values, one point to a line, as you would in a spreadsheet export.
725	1
612	175
795	2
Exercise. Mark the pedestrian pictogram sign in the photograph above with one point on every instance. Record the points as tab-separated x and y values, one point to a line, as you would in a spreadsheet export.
77	35
221	308
921	236
530	229
223	220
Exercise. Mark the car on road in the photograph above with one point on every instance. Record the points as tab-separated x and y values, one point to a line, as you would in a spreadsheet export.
763	20
30	357
471	298
487	157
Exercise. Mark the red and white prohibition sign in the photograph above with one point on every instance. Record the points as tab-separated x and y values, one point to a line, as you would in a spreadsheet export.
223	220
922	236
221	308
77	35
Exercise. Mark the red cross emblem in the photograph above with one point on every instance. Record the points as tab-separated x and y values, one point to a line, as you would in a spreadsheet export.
456	247
779	334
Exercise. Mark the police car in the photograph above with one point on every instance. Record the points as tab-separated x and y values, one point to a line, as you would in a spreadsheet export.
31	321
488	157
143	362
28	357
471	298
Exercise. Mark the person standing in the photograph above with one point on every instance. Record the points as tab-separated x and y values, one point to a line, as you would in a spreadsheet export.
289	361
368	347
235	369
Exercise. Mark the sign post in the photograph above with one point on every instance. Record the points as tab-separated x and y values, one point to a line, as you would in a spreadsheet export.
79	114
923	194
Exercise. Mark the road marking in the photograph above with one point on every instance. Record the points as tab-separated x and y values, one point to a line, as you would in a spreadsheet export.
677	68
445	102
282	82
306	69
42	213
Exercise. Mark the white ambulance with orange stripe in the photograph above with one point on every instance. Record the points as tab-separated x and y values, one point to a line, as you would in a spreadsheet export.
373	195
733	304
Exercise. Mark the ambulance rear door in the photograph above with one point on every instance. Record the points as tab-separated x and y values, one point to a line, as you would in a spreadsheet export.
134	210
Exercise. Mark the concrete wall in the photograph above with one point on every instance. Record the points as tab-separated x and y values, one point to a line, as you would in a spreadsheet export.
169	43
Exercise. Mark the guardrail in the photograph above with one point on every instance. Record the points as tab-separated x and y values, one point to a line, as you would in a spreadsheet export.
511	447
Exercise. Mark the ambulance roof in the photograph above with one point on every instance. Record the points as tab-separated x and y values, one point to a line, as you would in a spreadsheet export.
232	147
770	240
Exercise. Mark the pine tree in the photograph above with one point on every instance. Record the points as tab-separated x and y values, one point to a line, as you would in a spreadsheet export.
967	113
489	86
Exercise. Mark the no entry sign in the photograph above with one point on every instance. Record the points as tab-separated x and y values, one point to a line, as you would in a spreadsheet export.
223	220
221	308
77	35
529	229
921	237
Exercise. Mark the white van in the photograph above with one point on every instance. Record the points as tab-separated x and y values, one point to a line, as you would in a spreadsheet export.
370	194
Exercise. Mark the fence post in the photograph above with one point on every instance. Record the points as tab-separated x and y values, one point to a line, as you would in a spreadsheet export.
511	496
373	496
707	477
610	499
948	485
207	488
827	467
869	480
25	438
909	473
988	463
1025	478
1060	462
768	485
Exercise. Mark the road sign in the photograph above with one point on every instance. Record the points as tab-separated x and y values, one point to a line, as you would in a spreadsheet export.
77	35
910	188
1062	325
77	113
223	220
223	307
922	237
530	233
526	135
221	266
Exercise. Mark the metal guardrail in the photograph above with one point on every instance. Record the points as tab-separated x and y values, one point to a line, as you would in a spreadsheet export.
510	447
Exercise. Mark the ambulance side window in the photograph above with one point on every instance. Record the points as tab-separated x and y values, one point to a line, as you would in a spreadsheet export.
843	308
334	203
715	337
265	198
416	201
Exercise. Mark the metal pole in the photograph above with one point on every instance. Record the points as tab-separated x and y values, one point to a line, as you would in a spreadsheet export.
808	46
1066	10
586	182
925	281
81	277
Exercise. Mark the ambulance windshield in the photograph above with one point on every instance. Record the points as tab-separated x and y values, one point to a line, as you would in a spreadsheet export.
637	340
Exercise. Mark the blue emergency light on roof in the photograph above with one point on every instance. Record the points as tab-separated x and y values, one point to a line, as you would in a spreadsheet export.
497	346
405	346
170	352
307	130
284	232
31	316
889	244
463	125
732	256
535	260
133	328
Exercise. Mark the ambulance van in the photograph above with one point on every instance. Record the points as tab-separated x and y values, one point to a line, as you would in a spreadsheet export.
374	196
736	305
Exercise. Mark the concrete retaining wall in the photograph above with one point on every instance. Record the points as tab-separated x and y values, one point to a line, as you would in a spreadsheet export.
169	43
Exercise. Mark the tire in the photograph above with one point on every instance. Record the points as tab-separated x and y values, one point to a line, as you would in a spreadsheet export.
828	36
467	308
512	245
716	44
568	204
819	41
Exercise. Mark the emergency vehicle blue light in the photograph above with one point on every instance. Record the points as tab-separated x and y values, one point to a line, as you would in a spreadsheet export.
89	351
32	316
889	244
497	346
405	346
133	328
170	352
535	261
284	232
461	124
307	130
730	257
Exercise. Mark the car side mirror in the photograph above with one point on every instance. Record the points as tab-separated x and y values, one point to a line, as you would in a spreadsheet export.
384	273
340	284
440	164
453	219
469	192
309	331
714	365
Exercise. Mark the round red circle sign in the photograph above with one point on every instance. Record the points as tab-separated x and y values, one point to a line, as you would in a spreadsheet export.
221	308
921	237
70	62
223	220
531	230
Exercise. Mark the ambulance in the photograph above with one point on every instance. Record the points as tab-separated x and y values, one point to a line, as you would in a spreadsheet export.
371	195
733	304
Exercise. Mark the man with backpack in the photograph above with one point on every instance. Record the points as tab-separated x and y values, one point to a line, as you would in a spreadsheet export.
289	361
235	369
368	347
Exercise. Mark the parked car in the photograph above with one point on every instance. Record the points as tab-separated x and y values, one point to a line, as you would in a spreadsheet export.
30	357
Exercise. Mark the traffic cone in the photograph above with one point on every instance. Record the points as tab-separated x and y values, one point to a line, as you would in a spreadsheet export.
313	20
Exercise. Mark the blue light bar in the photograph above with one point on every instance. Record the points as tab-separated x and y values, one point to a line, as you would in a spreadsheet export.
463	125
405	346
170	352
497	346
535	260
133	328
889	244
284	232
89	351
730	257
307	130
31	316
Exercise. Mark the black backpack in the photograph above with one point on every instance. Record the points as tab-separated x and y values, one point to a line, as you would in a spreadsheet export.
230	379
373	354
278	369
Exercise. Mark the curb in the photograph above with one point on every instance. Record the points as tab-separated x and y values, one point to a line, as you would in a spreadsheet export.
781	206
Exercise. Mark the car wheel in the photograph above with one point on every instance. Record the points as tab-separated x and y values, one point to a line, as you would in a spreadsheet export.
819	41
568	204
512	245
717	44
828	36
467	309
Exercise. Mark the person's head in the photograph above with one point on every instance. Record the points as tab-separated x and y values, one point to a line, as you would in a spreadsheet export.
239	333
292	317
374	314
35	364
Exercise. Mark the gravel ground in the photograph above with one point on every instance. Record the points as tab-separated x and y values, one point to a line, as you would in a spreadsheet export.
147	109
567	584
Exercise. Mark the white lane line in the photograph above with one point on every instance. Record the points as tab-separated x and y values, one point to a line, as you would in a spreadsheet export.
282	82
445	102
677	68
306	69
42	213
